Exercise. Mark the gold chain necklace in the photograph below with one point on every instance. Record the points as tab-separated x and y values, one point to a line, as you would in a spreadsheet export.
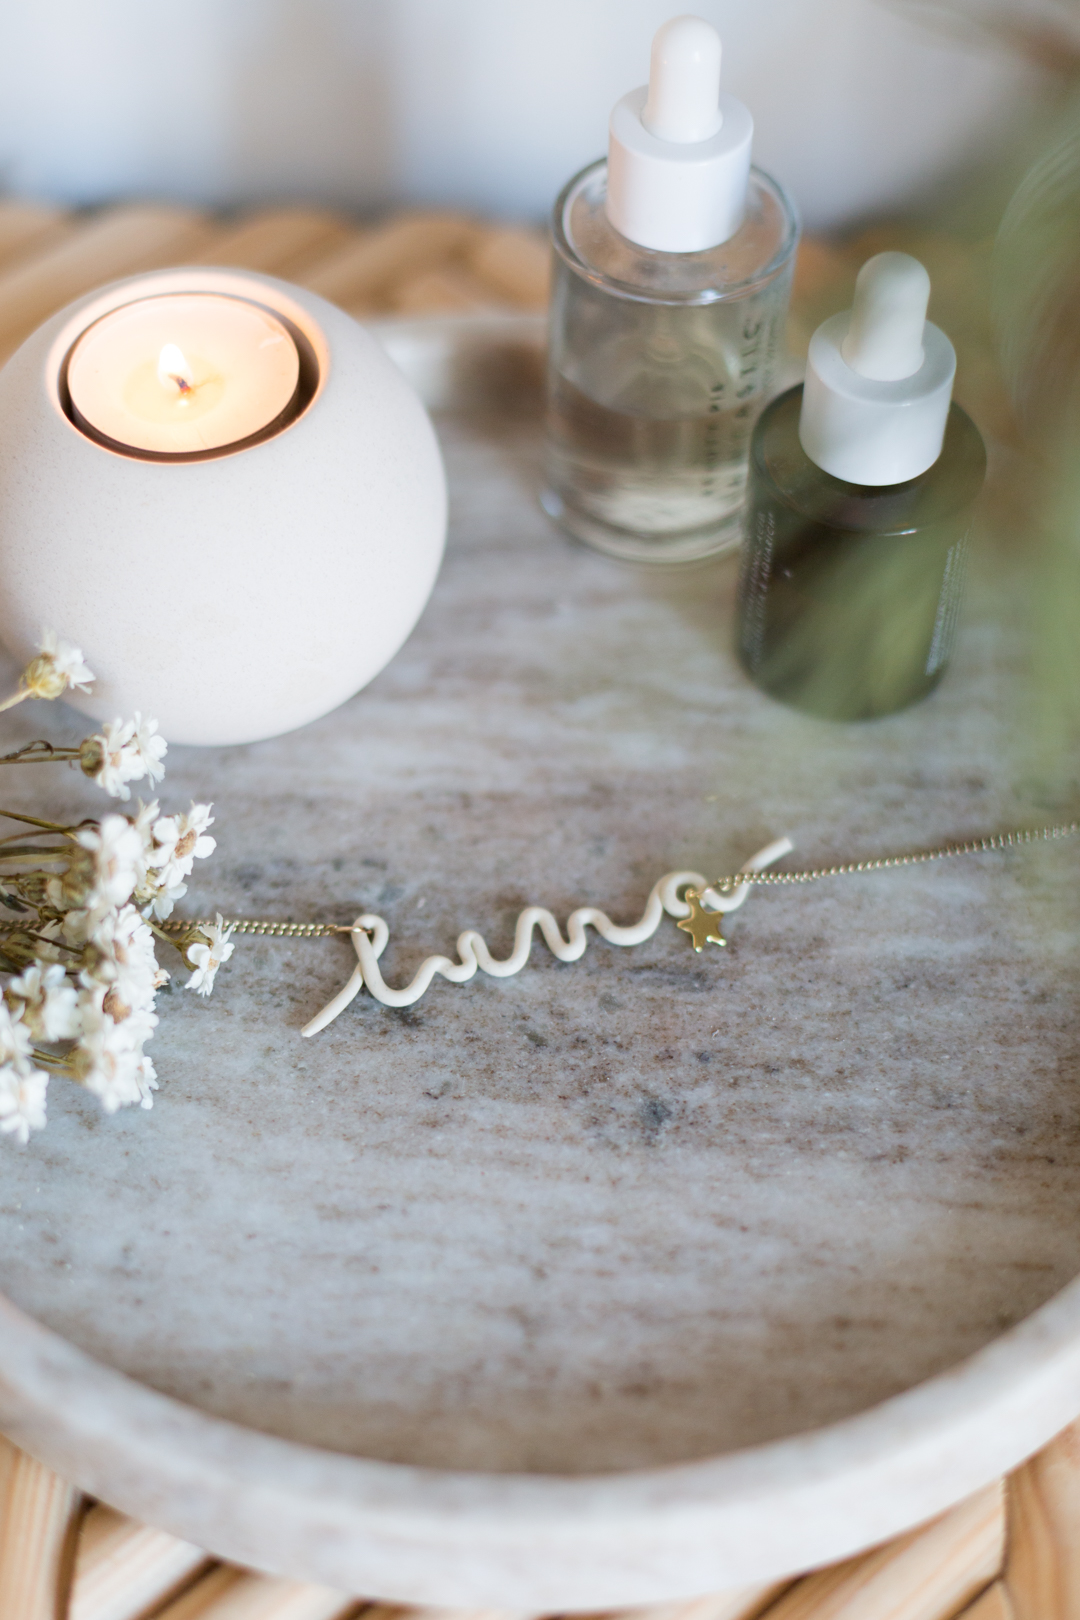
722	885
703	929
881	863
696	903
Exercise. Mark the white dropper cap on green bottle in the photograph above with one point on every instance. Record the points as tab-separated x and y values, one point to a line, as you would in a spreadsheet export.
879	380
678	150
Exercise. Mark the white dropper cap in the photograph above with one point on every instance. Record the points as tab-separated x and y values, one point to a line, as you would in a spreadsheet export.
879	380
678	150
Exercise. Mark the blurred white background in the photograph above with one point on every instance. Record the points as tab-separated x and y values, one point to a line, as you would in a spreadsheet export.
860	107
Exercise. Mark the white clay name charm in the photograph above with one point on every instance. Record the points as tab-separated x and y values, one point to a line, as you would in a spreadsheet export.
697	914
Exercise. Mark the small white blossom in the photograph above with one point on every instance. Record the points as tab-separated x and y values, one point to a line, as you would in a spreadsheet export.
120	956
60	665
117	850
143	826
46	950
108	1059
103	880
15	1039
123	751
175	842
179	841
22	1101
151	747
165	900
77	925
146	1079
108	760
49	1004
143	823
141	1024
209	957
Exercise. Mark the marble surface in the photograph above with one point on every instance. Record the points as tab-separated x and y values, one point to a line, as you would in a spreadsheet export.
636	1211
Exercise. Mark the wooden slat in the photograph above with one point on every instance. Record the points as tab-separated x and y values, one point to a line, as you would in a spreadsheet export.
38	1526
450	290
280	241
515	263
119	242
993	1605
124	1570
233	1594
399	1611
929	1574
198	1601
747	1603
27	227
1042	1574
362	275
376	1611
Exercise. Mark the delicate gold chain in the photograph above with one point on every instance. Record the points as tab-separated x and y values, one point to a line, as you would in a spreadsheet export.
882	863
249	925
723	885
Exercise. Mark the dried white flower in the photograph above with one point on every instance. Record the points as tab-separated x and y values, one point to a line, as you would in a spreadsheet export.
117	851
120	956
209	957
106	760
48	1003
147	1081
82	972
15	1040
22	1101
59	665
46	951
108	1059
179	841
161	901
142	825
123	751
152	747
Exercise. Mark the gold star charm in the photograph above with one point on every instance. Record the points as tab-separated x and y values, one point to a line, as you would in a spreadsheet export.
702	926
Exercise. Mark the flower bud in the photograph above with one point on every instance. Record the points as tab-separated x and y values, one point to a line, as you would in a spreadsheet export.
43	679
117	1009
91	755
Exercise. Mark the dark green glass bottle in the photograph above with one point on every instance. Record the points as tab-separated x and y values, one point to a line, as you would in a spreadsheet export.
849	593
859	505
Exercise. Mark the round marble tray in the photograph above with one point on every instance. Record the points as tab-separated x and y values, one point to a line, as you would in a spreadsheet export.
618	1281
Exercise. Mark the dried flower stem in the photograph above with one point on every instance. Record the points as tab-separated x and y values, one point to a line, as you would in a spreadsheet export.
35	821
52	1060
37	753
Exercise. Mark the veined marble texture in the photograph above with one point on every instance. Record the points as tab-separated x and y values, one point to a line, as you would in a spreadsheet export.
643	1209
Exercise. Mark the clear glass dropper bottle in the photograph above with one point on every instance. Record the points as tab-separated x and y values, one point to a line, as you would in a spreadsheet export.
673	262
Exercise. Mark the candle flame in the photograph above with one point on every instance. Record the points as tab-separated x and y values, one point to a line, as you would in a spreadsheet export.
173	369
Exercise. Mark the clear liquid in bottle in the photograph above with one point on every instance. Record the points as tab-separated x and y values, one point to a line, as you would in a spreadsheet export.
659	365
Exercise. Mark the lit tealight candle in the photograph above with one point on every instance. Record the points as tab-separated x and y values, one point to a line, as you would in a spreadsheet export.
183	374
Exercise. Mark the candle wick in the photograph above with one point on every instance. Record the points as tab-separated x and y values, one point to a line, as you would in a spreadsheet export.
174	368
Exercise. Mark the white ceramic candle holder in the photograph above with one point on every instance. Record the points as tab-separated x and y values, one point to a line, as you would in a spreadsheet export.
234	596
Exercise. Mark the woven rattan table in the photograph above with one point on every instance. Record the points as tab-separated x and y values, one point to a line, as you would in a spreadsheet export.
1010	1553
